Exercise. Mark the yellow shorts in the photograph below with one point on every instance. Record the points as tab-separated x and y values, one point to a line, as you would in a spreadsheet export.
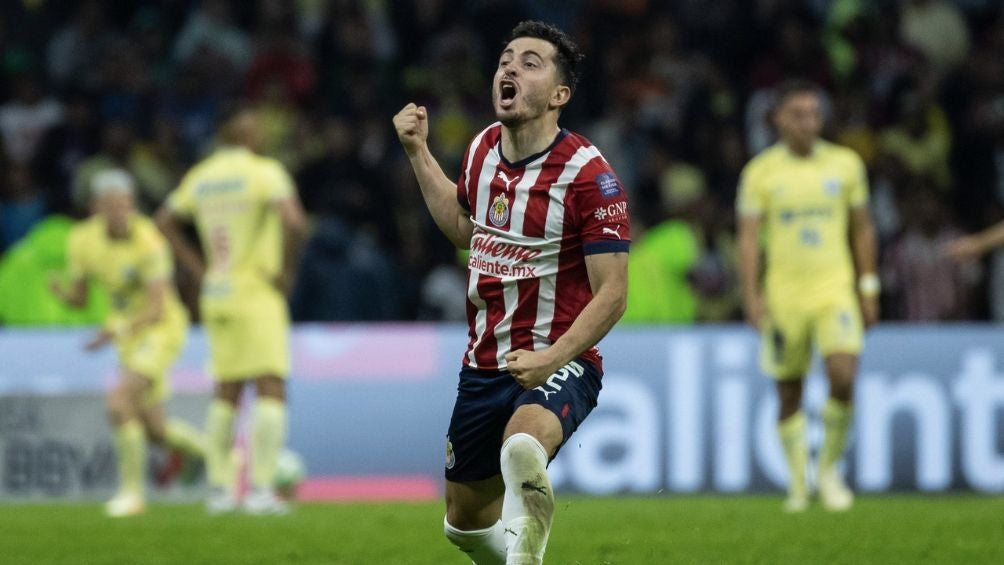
791	330
250	340
151	352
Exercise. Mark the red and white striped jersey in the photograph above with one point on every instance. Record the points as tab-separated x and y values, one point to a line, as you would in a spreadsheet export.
534	223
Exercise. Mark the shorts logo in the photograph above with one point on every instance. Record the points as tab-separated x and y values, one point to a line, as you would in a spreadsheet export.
609	187
498	214
451	459
553	383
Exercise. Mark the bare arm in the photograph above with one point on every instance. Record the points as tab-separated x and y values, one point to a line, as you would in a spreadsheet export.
863	248
749	269
439	192
294	234
608	280
73	294
973	246
188	256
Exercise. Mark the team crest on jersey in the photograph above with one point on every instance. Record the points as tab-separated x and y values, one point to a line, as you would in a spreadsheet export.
498	213
451	459
831	187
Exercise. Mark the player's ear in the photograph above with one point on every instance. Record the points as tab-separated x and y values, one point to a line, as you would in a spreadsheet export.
561	95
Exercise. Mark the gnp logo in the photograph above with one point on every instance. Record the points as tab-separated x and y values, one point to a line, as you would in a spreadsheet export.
616	211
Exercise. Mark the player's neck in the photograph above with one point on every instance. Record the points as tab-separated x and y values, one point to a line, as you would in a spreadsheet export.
528	138
799	150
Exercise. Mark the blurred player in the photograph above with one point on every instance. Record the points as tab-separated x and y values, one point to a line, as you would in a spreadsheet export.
123	251
809	198
546	221
251	225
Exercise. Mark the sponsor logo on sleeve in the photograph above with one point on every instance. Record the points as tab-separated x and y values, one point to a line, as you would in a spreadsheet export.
609	187
615	212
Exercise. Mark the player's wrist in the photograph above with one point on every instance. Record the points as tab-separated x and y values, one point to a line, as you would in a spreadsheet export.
869	285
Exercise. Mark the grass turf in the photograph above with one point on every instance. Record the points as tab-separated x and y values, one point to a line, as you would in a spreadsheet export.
880	530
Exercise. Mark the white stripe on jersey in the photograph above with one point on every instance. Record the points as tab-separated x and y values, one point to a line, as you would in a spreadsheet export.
522	193
556	214
484	186
503	331
545	313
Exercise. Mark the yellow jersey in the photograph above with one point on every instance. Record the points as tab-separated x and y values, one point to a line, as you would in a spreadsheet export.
804	205
125	267
230	197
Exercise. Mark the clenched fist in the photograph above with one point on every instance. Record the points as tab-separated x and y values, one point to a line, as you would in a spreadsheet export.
412	125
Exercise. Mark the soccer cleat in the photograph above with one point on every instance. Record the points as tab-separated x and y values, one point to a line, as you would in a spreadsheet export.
795	504
124	505
264	502
221	500
833	492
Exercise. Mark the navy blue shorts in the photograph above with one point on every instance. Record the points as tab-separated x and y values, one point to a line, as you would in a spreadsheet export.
486	400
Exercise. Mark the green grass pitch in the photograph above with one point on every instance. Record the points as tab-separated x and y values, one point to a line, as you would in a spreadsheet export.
657	530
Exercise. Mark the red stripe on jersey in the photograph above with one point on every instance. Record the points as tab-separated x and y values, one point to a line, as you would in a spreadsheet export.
490	291
524	319
540	199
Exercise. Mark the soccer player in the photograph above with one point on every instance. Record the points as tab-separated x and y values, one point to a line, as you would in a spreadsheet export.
546	222
250	225
808	199
124	252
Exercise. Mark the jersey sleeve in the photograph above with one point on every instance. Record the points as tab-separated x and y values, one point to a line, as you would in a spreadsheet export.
750	199
857	189
277	183
602	207
155	263
182	200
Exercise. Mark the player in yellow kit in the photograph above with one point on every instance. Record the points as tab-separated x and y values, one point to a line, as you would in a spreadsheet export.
250	225
806	201
123	251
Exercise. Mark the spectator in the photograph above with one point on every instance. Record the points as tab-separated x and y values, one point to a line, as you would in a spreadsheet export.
923	284
26	118
22	204
211	30
76	50
938	30
64	147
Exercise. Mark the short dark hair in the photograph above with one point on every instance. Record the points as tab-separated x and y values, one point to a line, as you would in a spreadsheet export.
794	86
567	54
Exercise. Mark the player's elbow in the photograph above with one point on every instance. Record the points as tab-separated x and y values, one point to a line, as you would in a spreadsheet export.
164	220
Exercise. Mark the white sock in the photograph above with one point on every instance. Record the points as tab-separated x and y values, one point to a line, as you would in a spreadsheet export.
484	547
528	505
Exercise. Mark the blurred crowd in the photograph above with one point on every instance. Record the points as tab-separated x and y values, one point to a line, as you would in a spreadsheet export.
675	93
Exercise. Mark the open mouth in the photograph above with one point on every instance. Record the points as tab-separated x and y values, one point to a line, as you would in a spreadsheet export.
507	91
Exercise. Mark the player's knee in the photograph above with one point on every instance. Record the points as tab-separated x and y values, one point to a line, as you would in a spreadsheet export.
521	450
482	544
842	387
117	406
